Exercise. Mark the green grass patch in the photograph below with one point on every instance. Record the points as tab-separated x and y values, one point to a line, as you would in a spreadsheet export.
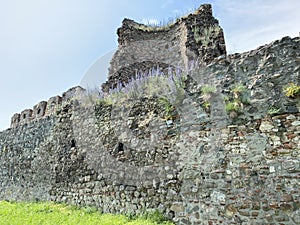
60	214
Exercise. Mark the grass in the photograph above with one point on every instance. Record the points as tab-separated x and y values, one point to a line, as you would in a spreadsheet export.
232	106
208	89
168	108
60	214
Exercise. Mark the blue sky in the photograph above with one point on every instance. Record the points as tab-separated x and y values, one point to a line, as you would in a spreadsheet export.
46	46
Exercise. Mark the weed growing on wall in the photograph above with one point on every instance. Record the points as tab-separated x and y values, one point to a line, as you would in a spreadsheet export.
205	36
236	100
168	108
149	25
273	111
233	106
206	91
160	25
206	106
292	90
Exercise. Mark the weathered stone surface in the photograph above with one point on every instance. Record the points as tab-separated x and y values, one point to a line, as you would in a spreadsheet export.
15	120
39	110
73	93
53	104
26	116
266	126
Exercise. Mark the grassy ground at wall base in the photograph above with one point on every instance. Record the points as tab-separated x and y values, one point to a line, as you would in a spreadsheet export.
59	214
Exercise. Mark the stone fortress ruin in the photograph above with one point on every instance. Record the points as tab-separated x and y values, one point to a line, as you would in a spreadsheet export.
227	155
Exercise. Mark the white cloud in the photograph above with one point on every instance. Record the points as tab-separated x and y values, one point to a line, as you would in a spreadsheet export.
249	24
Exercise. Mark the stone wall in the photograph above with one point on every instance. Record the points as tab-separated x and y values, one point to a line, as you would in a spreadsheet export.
44	109
264	72
252	178
91	156
24	175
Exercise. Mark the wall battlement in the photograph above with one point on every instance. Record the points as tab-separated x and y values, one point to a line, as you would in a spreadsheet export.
43	108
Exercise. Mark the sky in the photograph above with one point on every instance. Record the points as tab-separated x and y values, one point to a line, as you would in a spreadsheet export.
49	46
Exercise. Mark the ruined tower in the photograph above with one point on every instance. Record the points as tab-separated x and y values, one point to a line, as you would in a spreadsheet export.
141	47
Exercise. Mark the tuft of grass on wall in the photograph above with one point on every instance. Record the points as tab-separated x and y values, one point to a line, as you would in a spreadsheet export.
237	99
208	89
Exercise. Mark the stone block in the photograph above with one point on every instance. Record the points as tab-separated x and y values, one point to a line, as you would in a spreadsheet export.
177	207
39	110
52	104
266	126
73	93
15	120
26	116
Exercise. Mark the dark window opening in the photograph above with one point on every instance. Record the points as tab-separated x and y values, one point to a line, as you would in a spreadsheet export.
73	144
